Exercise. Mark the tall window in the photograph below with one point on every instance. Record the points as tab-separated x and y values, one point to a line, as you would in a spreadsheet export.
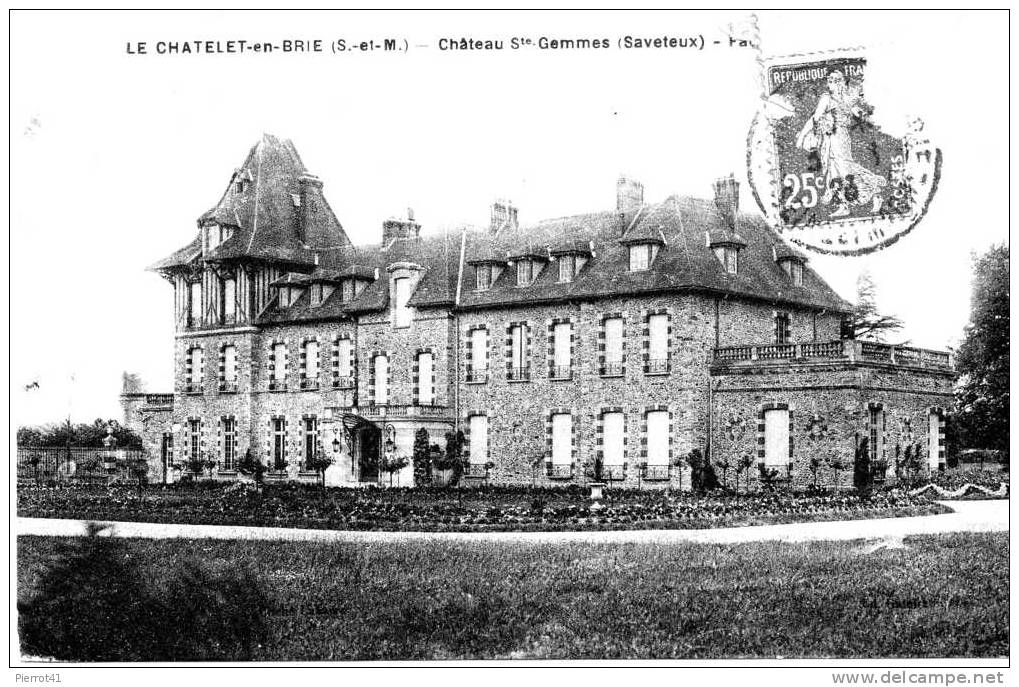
228	306
567	267
613	452
380	364
934	439
279	443
876	426
658	343
562	439
484	277
402	312
562	361
195	439
347	290
229	443
794	269
195	370
613	346
519	365
194	303
525	272
776	437
730	258
310	372
426	385
229	381
641	255
279	366
310	441
783	328
658	438
477	370
479	439
344	375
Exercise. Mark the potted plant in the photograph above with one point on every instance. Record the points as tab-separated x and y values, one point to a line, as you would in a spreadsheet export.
598	485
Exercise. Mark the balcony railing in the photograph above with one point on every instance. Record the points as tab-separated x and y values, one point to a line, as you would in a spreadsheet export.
228	387
401	410
612	370
656	366
309	383
477	470
343	382
277	385
654	473
518	374
560	470
560	372
193	388
159	399
846	349
476	376
613	473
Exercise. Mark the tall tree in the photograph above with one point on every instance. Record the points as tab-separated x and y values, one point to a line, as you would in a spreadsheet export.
868	323
981	392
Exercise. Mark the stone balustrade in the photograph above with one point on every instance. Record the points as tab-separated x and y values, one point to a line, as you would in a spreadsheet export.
845	349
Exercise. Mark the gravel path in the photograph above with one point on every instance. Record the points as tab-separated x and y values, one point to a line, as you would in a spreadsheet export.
969	516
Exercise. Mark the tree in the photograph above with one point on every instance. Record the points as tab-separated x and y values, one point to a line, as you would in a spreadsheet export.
422	458
453	459
83	434
702	474
868	323
981	393
252	467
319	463
391	464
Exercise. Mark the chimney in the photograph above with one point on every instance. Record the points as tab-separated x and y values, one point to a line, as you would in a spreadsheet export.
727	199
504	216
400	228
311	203
629	200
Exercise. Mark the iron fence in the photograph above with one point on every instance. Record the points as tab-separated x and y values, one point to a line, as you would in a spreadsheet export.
77	464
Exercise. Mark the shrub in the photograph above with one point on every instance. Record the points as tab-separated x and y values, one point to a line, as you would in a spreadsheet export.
702	473
94	604
863	478
768	476
422	458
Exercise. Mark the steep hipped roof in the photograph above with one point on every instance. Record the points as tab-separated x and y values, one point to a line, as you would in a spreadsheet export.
263	200
684	262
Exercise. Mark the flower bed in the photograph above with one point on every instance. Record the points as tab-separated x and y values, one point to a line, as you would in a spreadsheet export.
485	509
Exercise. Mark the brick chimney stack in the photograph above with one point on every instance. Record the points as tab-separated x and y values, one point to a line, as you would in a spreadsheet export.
504	216
400	228
727	199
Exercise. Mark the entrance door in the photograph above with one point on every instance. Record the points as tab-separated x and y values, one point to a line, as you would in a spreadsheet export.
166	452
367	448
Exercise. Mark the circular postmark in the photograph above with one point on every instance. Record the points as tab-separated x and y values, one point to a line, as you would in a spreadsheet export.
825	175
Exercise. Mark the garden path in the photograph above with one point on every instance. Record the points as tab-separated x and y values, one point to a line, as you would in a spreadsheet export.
968	516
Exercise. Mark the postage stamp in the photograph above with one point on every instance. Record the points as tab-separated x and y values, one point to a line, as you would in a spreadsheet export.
823	171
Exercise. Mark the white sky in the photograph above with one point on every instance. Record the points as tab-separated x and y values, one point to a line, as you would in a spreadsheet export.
114	157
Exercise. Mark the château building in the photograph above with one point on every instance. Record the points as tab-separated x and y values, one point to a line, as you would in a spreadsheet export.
625	337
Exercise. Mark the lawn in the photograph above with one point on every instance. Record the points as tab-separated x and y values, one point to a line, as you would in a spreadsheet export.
942	596
476	509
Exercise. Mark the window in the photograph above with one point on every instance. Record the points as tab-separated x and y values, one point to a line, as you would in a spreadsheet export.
194	303
525	272
613	346
562	360
343	375
484	276
641	256
347	290
519	365
783	328
478	427
477	366
380	365
776	438
426	385
934	440
567	267
229	300
310	442
613	451
658	438
309	375
278	362
279	443
876	425
229	381
562	439
401	311
195	371
195	439
729	257
794	269
229	443
658	344
316	294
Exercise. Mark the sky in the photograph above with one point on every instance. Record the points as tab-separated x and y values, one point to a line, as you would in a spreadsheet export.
114	156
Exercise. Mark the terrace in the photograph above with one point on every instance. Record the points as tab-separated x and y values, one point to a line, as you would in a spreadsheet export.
847	350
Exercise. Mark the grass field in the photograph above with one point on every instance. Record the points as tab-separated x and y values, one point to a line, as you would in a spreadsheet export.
943	595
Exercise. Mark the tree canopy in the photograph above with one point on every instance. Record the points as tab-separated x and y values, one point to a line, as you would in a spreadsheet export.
82	434
982	395
868	323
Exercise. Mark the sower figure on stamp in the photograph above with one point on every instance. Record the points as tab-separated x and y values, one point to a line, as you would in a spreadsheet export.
827	131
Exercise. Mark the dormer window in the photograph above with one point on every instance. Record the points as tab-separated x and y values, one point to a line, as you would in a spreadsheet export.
571	258
525	272
347	290
567	267
642	255
729	257
484	277
794	269
316	293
